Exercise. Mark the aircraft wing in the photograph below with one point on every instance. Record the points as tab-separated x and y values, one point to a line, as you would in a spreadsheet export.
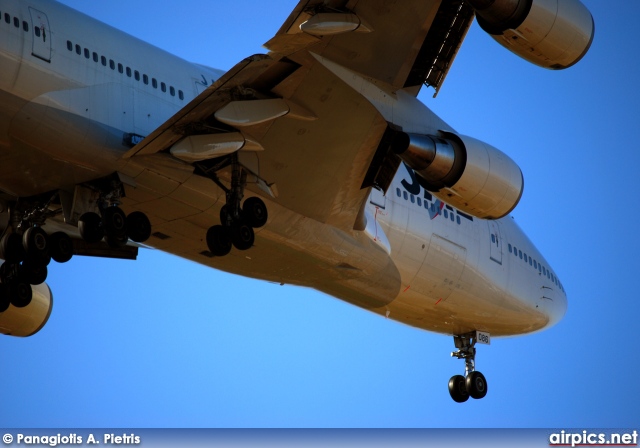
312	138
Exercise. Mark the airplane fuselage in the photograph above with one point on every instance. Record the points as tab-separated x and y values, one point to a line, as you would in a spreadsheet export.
76	95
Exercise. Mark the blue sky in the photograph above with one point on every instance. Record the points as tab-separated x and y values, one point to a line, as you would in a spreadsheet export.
163	342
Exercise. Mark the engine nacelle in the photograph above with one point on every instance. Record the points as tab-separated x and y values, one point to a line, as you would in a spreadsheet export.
464	172
29	320
553	34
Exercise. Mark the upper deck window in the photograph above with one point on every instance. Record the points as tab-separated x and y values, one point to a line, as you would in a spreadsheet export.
25	26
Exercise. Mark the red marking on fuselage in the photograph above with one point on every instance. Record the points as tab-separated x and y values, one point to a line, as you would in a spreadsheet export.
407	288
439	300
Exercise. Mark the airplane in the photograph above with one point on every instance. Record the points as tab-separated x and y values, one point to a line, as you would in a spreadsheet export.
313	165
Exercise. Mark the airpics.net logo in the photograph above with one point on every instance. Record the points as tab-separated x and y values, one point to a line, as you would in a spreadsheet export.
586	438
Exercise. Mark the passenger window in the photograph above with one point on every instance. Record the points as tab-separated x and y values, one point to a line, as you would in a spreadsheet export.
510	248
103	60
87	53
452	217
413	199
458	219
405	195
544	271
36	30
25	26
69	45
398	192
136	75
120	68
112	64
446	214
419	201
181	94
154	83
7	18
145	79
493	238
78	49
535	264
163	87
520	254
95	57
16	22
530	261
128	72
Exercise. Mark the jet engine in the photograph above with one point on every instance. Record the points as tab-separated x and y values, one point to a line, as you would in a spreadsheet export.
28	320
554	34
464	172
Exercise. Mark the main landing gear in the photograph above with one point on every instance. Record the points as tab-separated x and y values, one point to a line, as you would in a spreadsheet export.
236	222
27	249
26	260
473	384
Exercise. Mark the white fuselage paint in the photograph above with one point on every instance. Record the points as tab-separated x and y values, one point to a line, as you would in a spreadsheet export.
65	113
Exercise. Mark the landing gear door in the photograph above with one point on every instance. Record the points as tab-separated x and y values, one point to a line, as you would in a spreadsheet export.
496	241
41	35
378	198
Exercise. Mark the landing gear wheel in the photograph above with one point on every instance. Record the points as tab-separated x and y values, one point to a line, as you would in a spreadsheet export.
11	249
138	227
32	274
114	221
4	298
90	227
60	247
219	240
254	211
20	294
458	389
476	384
36	246
242	236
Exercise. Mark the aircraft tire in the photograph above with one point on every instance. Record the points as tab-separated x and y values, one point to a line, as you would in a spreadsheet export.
114	221
61	247
32	274
36	245
219	240
242	236
458	389
20	294
90	227
476	385
11	249
254	211
138	227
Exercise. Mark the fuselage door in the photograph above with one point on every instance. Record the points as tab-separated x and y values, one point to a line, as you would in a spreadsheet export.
496	241
41	35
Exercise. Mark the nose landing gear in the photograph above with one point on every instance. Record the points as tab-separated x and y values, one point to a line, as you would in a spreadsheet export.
473	384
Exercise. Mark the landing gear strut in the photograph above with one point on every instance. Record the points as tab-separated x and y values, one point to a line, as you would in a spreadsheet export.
237	223
473	384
